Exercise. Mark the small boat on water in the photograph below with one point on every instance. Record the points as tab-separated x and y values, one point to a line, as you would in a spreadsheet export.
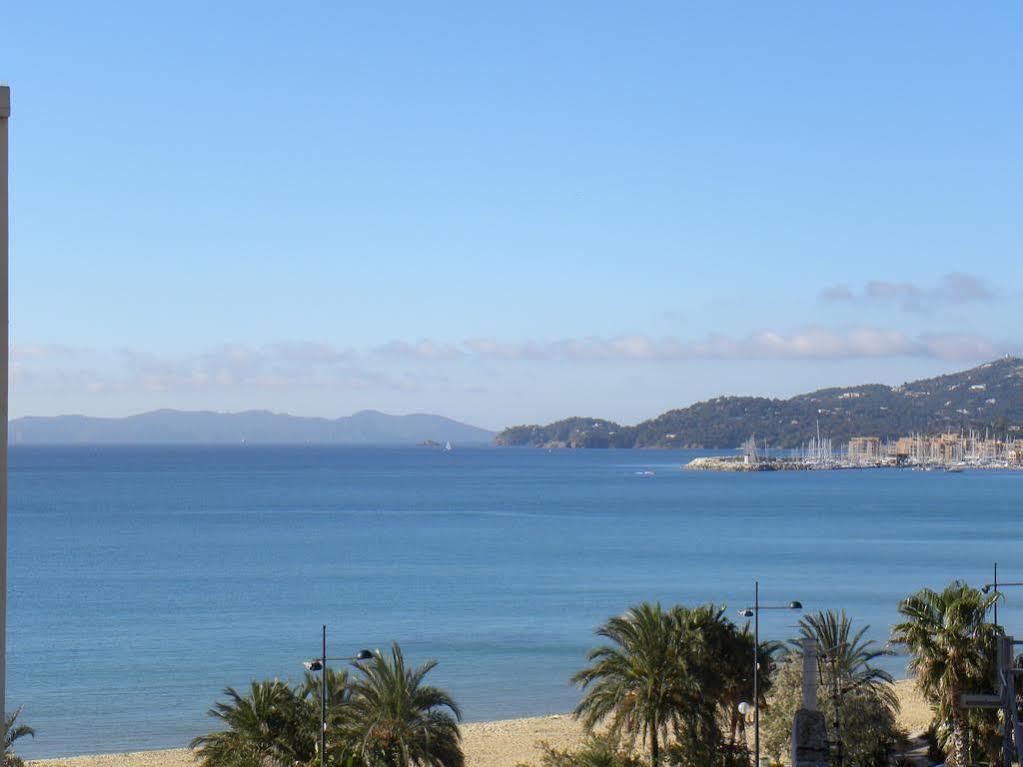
448	447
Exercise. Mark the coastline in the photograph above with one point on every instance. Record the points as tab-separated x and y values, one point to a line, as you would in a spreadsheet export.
500	743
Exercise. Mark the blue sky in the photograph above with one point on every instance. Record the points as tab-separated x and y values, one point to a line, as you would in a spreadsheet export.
507	213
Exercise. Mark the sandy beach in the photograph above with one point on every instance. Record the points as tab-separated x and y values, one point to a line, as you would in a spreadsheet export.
504	743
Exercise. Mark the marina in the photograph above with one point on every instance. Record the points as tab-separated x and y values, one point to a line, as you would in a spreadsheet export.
946	452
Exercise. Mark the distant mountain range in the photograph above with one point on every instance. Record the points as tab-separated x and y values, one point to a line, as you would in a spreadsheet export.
989	397
251	426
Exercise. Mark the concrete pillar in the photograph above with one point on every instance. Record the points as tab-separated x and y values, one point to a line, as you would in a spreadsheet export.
810	674
809	732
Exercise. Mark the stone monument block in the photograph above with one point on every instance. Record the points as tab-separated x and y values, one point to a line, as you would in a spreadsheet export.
809	739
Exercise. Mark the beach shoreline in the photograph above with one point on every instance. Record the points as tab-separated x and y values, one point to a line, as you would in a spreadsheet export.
499	743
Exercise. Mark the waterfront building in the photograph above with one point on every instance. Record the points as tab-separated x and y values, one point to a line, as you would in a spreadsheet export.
864	450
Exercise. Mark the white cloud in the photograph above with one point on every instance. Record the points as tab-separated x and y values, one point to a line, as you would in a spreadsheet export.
837	293
954	289
306	351
419	350
805	344
262	371
40	351
230	367
274	366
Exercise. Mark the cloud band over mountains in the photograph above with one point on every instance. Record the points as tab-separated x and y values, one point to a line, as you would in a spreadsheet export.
812	343
401	365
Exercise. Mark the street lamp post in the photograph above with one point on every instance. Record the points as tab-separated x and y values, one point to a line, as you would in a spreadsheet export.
320	664
754	613
5	113
995	585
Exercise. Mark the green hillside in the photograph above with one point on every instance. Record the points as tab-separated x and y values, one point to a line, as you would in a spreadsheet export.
986	397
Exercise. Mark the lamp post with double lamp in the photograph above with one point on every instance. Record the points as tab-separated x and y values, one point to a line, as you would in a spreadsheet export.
987	588
995	585
754	613
320	664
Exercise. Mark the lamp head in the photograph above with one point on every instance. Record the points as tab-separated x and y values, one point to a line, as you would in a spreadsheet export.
313	665
744	708
985	588
794	605
747	613
363	655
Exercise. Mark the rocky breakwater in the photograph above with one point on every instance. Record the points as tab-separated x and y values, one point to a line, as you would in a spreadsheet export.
729	463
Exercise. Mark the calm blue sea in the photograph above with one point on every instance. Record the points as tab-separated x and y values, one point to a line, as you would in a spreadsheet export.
144	580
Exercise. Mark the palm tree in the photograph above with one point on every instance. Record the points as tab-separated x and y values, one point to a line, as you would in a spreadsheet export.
850	657
718	656
635	681
337	687
271	726
340	749
339	746
338	692
396	720
13	732
734	661
954	650
860	697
